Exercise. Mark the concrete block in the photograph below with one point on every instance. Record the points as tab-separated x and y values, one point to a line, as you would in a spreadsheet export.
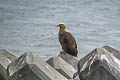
99	64
70	59
6	57
62	67
32	67
113	50
73	79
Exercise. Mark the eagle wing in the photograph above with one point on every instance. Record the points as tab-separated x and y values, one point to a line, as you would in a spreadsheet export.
68	43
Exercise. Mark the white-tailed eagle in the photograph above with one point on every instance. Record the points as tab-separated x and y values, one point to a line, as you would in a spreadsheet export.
67	41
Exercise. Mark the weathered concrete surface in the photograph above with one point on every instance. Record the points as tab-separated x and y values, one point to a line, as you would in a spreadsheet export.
112	50
62	67
99	64
73	79
70	59
6	57
76	76
32	67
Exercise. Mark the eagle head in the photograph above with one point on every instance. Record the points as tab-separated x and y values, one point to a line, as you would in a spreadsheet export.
62	26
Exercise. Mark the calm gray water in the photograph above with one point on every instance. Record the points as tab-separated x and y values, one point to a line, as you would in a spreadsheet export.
30	25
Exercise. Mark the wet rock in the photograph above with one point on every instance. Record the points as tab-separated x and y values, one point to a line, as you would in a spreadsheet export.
32	67
99	64
62	67
70	59
6	57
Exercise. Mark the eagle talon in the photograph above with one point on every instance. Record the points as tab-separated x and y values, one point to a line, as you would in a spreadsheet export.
63	52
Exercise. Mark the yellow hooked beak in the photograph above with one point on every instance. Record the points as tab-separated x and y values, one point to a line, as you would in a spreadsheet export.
58	25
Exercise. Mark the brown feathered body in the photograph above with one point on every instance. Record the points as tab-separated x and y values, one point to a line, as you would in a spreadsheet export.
68	43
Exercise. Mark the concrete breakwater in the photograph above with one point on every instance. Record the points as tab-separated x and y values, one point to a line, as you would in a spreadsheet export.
100	64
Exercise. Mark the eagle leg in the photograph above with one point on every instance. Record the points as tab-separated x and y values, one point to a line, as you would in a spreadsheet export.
63	52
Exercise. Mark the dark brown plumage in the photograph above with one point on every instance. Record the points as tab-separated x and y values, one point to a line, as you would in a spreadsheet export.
67	41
